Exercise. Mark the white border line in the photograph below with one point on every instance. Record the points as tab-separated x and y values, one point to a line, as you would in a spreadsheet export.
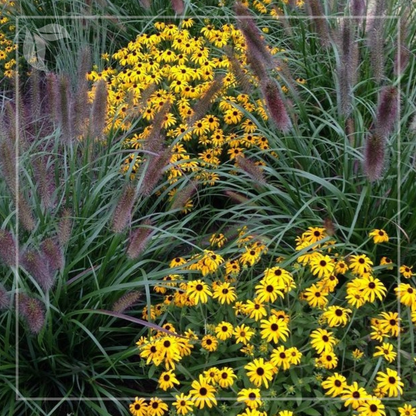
110	17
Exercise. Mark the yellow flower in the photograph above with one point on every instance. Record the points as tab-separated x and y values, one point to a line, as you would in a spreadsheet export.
202	393
407	410
259	372
250	397
389	383
210	343
322	340
334	385
386	351
406	271
225	293
183	404
379	236
198	291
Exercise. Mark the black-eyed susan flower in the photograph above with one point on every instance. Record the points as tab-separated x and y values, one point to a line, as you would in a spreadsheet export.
224	330
328	360
260	372
314	234
372	288
183	404
385	261
274	329
379	333
360	264
316	297
210	375
341	267
225	377
407	410
386	351
250	257
250	397
225	293
334	385
336	315
139	407
152	352
268	290
322	340
202	393
390	323
156	407
389	383
255	309
406	271
170	351
406	294
294	354
198	291
372	407
232	267
379	236
243	333
285	413
281	358
209	342
354	395
355	295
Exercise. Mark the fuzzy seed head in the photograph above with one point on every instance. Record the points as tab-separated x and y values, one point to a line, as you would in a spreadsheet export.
236	197
65	227
4	298
99	110
7	248
37	265
253	170
275	105
33	313
182	196
122	213
126	301
178	6
387	111
25	213
138	240
53	253
153	171
374	157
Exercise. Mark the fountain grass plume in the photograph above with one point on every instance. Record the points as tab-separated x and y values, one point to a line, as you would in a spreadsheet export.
33	312
374	154
183	195
122	212
139	239
126	301
98	111
37	265
7	248
275	104
387	111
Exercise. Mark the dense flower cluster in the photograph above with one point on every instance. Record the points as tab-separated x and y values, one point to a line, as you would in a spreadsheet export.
256	317
181	89
7	47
